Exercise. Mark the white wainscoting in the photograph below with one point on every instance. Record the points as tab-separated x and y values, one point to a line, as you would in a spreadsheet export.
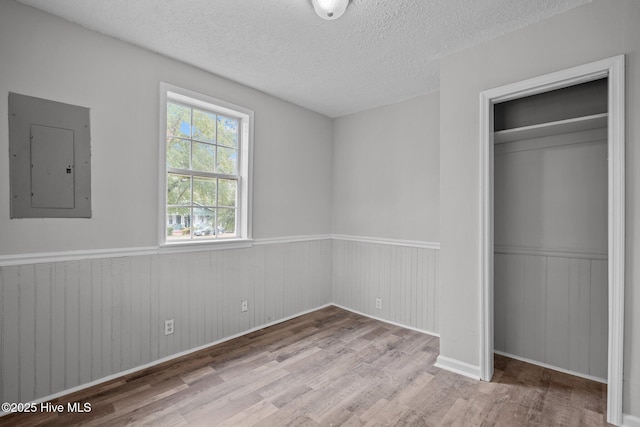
553	309
403	274
69	323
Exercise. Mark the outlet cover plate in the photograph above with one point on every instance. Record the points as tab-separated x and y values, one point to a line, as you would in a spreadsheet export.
168	327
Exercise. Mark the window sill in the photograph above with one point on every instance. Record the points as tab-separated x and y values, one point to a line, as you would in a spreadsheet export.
181	247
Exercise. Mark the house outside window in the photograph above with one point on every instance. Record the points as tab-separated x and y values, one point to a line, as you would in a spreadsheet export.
205	159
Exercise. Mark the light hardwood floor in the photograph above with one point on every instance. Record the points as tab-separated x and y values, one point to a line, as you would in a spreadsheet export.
331	367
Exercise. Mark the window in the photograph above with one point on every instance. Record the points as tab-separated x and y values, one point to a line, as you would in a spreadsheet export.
205	163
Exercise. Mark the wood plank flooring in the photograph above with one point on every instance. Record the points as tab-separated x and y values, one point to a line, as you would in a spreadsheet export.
330	368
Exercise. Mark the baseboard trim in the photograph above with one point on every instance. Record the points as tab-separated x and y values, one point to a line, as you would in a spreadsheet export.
553	368
458	367
423	331
166	359
630	420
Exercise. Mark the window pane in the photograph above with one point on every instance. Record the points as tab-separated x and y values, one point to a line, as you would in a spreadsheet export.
178	222
178	189
227	131
178	120
204	126
204	157
204	223
204	191
226	222
178	153
227	161
227	192
204	168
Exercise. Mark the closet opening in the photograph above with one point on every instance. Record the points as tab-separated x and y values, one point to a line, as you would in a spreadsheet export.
609	70
550	229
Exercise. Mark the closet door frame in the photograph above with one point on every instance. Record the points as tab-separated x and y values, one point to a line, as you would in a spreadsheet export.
613	69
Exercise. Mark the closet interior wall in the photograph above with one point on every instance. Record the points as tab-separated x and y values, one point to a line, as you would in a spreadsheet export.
550	210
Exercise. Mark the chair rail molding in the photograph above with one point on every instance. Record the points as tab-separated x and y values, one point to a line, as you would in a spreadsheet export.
388	241
78	255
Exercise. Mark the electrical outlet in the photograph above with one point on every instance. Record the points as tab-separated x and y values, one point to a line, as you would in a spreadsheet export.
379	303
168	327
244	305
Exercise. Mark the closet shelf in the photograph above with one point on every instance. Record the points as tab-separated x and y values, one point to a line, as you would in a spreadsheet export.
551	128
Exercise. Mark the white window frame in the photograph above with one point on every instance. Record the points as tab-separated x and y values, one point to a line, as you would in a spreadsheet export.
198	100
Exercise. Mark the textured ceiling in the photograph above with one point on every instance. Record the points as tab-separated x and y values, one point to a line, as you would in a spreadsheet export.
379	52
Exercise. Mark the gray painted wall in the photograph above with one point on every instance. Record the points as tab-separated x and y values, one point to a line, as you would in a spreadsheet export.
66	323
551	193
581	100
404	278
63	324
601	29
69	323
386	171
386	186
294	161
550	236
552	309
50	58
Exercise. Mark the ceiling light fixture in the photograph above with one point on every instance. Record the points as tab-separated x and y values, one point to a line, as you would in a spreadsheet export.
330	9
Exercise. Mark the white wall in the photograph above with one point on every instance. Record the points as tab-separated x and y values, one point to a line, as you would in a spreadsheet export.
386	171
602	29
50	58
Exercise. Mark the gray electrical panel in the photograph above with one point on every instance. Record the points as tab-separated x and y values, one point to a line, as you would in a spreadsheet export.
50	159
